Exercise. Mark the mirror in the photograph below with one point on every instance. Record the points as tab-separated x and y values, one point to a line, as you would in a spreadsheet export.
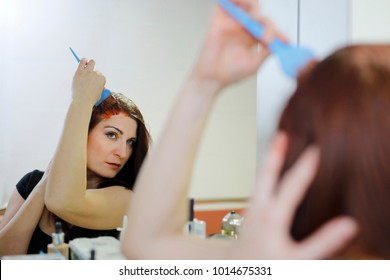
146	50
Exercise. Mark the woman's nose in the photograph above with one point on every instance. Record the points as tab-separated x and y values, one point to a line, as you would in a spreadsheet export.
121	149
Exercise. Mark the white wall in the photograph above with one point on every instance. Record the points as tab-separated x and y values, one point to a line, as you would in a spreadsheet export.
370	21
145	49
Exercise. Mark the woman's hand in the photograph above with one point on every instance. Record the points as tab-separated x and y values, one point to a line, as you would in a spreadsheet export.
229	52
265	232
88	84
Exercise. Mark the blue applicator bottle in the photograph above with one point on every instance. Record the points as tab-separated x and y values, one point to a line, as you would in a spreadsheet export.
106	92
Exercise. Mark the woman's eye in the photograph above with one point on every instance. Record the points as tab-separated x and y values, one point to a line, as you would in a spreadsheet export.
111	135
131	142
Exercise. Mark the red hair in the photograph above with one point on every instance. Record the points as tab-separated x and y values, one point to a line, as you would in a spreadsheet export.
115	104
343	106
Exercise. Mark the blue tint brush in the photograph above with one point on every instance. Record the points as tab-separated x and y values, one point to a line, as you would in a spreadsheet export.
75	55
106	92
292	58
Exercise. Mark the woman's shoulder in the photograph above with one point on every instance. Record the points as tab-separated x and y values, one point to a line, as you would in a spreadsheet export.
28	182
32	176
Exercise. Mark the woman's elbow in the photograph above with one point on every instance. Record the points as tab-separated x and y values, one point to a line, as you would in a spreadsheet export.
54	204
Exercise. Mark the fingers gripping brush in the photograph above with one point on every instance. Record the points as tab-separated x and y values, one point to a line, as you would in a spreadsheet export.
292	58
106	92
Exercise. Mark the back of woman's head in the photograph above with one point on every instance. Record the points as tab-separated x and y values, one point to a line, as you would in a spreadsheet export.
115	104
343	106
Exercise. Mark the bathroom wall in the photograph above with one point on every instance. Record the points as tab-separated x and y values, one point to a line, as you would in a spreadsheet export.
370	21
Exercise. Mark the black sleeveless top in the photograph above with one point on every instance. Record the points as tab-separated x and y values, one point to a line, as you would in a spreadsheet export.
39	239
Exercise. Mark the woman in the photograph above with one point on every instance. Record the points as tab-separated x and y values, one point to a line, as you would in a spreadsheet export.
109	143
342	105
229	55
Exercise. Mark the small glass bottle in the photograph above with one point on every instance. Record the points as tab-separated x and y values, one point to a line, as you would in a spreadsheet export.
230	224
58	245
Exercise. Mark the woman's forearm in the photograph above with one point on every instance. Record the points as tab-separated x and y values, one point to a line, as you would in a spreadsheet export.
15	236
67	179
159	205
158	213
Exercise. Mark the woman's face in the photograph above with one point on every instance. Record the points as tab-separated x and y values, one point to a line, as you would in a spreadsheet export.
110	144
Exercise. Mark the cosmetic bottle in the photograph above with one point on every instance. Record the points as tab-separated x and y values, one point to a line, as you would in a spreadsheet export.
194	226
58	245
231	223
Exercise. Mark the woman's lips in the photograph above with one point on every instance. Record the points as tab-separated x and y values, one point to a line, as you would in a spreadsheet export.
114	165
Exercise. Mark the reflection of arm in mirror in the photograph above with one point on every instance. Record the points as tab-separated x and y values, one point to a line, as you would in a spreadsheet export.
90	152
22	215
66	194
157	214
